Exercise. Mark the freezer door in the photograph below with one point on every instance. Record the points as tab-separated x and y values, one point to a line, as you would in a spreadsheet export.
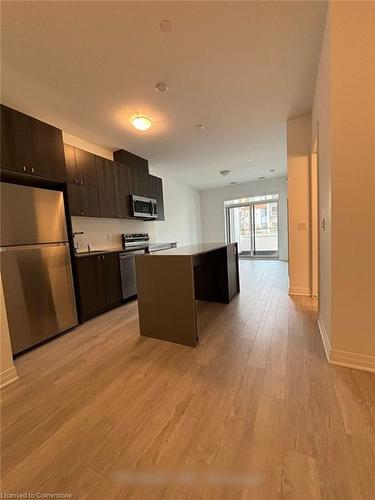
39	293
31	215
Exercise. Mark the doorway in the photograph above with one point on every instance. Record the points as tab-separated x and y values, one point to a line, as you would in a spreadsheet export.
254	224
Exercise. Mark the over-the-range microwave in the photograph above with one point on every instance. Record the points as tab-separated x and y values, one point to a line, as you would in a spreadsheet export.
144	208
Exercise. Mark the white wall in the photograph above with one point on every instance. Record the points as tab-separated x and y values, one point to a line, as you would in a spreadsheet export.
181	206
298	152
212	208
346	146
321	132
182	214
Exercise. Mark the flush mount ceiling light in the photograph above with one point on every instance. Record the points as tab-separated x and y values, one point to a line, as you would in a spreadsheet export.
251	160
141	122
165	26
161	87
224	172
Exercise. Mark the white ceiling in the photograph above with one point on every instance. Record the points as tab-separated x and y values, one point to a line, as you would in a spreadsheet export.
240	68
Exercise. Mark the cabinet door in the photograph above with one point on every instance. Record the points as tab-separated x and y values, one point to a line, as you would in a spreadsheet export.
91	285
145	184
70	162
48	151
112	279
106	187
123	189
16	144
86	168
157	188
31	146
134	182
83	201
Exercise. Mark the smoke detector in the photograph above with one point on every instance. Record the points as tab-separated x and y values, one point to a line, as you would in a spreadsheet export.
165	26
161	86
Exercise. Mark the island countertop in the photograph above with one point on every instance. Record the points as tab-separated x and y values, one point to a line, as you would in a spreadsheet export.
171	281
190	250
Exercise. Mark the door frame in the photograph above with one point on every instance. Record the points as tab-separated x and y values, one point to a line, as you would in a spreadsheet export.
315	250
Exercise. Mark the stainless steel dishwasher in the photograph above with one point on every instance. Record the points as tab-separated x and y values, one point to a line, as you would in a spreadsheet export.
128	276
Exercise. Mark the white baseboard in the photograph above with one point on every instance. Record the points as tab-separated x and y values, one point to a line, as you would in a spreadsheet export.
295	290
8	376
325	338
353	360
344	358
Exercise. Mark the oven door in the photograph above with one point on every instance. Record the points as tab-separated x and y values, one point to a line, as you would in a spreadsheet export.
145	208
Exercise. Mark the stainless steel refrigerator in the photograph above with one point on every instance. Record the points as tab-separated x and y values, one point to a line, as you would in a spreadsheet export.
35	265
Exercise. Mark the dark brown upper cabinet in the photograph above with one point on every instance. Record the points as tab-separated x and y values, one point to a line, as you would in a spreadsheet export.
81	166
131	160
82	179
83	201
123	189
157	188
98	187
139	178
30	146
106	172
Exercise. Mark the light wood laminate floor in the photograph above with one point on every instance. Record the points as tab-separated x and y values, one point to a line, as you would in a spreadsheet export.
256	402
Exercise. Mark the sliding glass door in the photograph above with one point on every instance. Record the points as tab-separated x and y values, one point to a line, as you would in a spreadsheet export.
254	226
265	229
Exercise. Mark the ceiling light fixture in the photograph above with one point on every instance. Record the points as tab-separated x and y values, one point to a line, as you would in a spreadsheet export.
251	160
161	87
200	126
224	172
141	122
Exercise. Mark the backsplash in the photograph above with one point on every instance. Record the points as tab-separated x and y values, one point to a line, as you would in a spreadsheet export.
103	234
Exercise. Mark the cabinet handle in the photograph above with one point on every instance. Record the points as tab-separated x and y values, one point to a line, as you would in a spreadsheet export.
81	182
24	168
98	257
32	170
82	213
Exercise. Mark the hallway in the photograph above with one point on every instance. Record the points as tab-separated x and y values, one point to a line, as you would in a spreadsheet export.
256	396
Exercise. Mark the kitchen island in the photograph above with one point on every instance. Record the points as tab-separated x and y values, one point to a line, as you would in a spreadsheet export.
171	281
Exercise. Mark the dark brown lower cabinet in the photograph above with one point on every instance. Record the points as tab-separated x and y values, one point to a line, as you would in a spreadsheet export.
83	201
99	283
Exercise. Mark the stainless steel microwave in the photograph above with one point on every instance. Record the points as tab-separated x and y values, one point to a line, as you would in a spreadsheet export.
144	208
